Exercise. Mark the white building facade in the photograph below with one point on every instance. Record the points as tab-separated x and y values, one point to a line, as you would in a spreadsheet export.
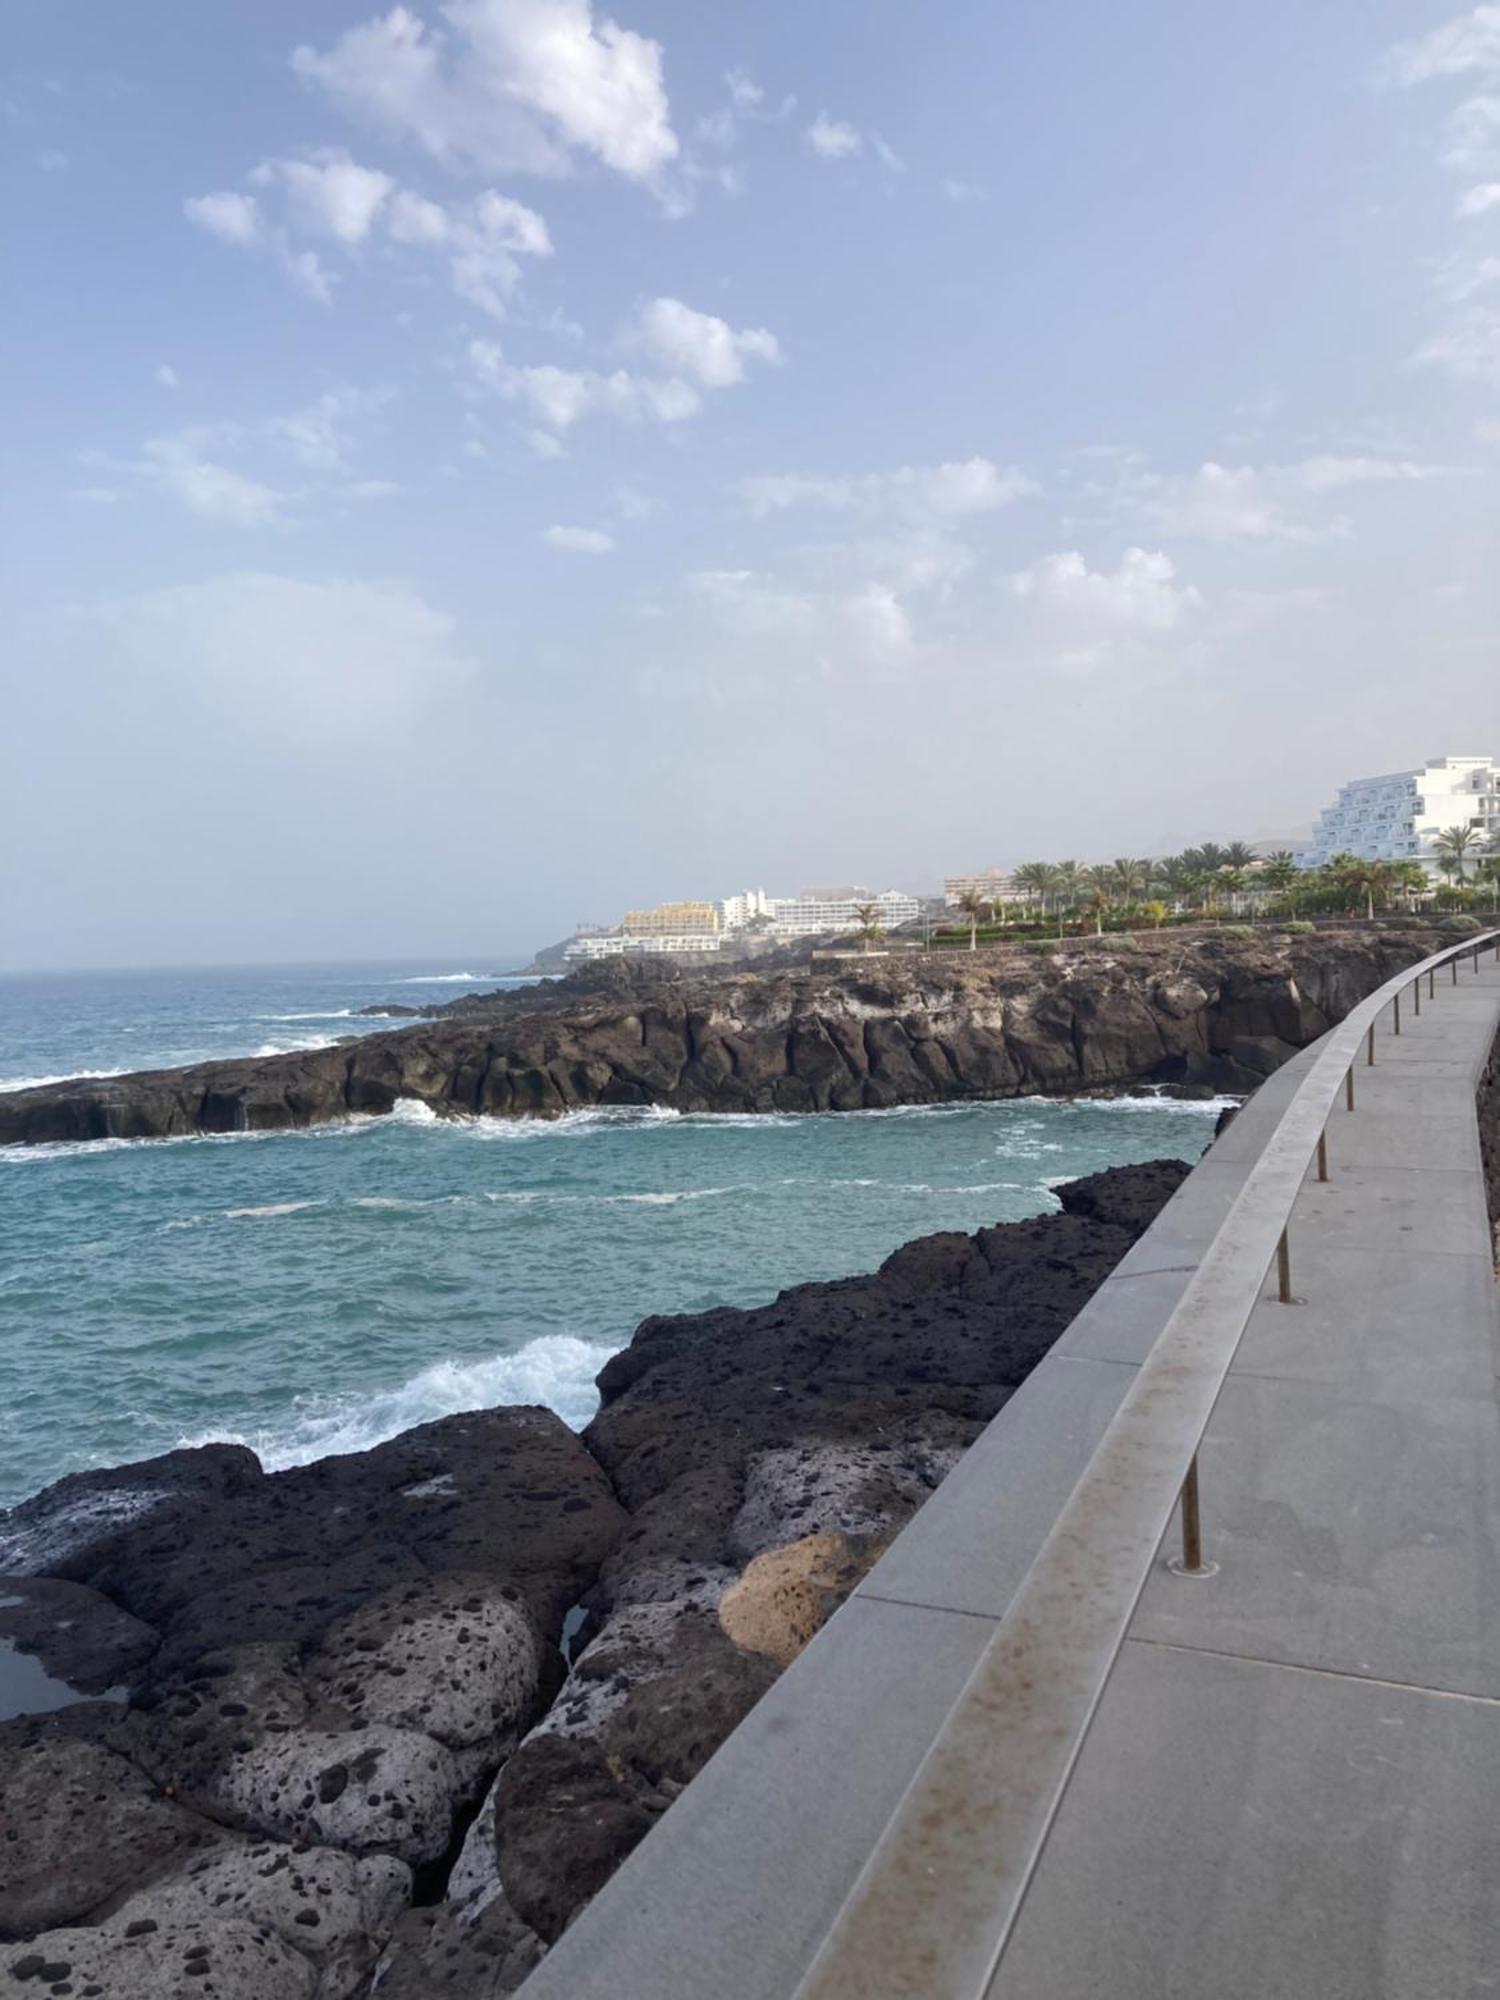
636	944
814	915
1399	817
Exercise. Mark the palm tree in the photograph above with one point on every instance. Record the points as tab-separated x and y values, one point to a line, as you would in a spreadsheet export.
1453	845
1099	895
1130	879
1409	879
1239	854
1488	872
1279	870
868	919
974	908
1034	879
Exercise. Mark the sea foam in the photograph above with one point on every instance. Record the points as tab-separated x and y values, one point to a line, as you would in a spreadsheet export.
558	1370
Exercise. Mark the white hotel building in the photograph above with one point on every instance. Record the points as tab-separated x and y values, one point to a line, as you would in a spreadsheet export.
776	919
1399	817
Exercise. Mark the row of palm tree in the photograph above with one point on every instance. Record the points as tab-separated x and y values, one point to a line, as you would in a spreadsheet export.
1208	879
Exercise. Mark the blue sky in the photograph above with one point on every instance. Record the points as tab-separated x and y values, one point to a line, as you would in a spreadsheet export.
472	466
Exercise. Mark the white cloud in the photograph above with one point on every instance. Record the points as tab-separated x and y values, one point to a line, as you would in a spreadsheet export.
766	629
413	219
745	93
166	376
1474	136
1468	348
334	198
178	467
234	218
878	631
318	436
561	397
485	244
348	659
1479	200
308	274
1466	44
517	86
1325	474
579	541
967	486
51	161
1218	503
697	345
961	191
328	193
833	138
1089	619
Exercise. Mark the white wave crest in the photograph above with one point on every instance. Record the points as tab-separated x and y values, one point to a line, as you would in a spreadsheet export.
268	1209
411	1111
449	979
42	1082
323	1014
290	1045
558	1369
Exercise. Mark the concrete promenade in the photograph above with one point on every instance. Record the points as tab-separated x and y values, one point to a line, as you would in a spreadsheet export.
1291	1787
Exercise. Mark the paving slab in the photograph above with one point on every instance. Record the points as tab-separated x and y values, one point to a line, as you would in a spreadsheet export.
1390	1324
1254	1832
1354	1536
1366	1207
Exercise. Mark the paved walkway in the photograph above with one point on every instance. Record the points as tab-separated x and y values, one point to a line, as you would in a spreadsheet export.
1291	1790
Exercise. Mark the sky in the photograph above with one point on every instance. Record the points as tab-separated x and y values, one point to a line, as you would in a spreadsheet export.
475	465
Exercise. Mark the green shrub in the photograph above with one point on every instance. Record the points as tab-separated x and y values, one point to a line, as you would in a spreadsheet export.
1040	947
1237	930
1300	927
1460	927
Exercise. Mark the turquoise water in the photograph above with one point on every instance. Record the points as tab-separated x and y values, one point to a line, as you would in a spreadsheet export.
318	1291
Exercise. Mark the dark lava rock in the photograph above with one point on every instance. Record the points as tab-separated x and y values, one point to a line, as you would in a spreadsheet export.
837	1409
914	1030
78	1636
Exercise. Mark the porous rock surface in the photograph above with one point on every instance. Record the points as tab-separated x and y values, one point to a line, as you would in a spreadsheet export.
914	1029
326	1667
352	1760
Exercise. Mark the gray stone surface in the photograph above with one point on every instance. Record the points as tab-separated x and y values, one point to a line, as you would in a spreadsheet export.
1255	1832
207	1959
458	1657
975	1539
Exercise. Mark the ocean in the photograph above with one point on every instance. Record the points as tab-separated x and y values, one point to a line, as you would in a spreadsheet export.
319	1291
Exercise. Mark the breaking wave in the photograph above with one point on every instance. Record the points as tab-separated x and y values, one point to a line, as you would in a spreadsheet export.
558	1370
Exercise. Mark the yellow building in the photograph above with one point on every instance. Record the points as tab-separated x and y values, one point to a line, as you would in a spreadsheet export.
681	919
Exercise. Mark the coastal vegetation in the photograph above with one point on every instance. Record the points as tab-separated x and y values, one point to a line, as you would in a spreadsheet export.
1219	884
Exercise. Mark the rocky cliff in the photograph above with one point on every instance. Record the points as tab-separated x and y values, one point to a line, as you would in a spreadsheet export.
1214	1010
382	1724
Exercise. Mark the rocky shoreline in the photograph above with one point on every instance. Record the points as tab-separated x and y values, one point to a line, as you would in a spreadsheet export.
1215	1010
382	1724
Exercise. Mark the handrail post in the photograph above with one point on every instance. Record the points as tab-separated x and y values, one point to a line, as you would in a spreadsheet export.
1370	1047
1323	1156
1190	1562
1349	1089
1396	1009
1432	982
1284	1270
1416	997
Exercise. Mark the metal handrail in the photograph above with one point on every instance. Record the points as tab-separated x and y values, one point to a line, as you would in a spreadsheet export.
933	1908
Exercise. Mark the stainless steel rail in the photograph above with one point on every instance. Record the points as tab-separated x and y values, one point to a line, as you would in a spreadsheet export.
932	1910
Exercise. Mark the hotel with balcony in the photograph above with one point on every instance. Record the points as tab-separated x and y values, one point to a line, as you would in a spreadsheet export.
1399	817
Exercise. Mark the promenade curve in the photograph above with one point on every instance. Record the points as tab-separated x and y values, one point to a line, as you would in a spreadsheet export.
1029	1759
